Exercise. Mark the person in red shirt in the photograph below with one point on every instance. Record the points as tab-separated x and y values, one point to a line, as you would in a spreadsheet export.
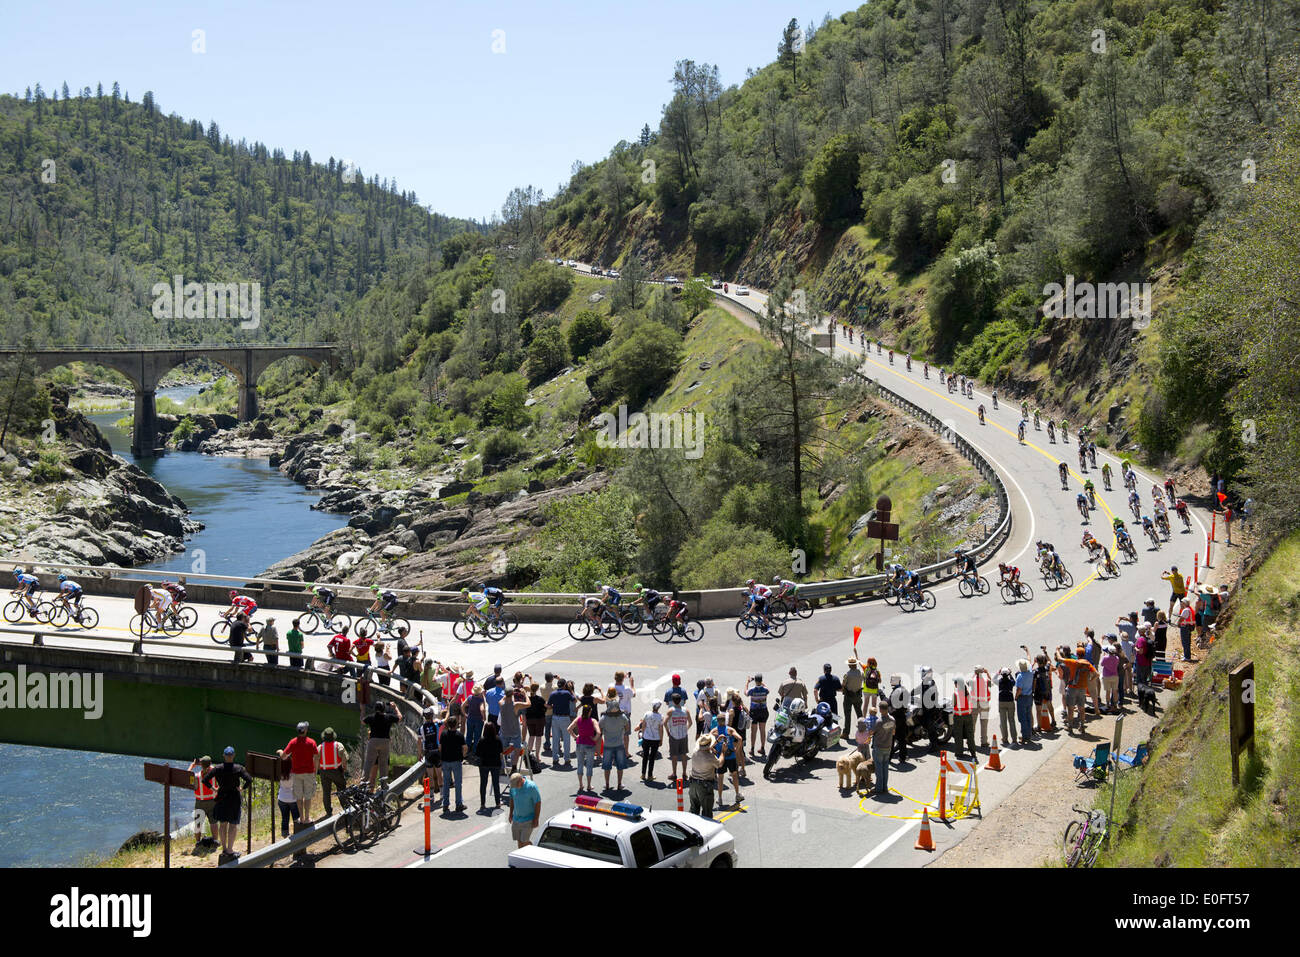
340	648
361	649
304	758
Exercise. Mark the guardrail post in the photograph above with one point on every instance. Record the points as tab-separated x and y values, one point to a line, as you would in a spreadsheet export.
138	647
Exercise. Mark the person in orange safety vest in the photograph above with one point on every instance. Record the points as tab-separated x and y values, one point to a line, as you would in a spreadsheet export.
333	767
963	718
205	797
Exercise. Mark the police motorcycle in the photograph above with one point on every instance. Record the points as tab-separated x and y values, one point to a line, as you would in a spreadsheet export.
921	713
796	732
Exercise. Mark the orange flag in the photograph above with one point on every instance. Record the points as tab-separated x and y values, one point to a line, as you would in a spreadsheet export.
857	633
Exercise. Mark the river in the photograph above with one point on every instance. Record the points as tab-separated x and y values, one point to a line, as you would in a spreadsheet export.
253	516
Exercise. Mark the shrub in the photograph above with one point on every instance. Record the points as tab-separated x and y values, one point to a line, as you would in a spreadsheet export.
547	355
500	446
588	330
49	467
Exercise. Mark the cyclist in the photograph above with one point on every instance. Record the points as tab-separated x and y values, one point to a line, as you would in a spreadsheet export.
1081	501
1054	564
647	597
1009	575
1036	425
1090	544
926	369
384	603
240	603
784	587
677	615
1021	431
1135	503
610	596
912	583
323	598
758	598
1181	508
1169	489
896	575
1149	528
1130	478
70	596
1162	518
966	565
909	363
160	600
995	398
1083	459
981	412
27	587
495	596
1157	496
1105	475
1091	491
1092	454
1024	410
478	603
1065	431
176	589
891	357
1063	471
1051	432
592	609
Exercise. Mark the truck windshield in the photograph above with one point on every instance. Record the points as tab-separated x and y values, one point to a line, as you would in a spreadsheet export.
584	843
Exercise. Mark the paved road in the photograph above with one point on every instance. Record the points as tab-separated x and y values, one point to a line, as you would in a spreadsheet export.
800	817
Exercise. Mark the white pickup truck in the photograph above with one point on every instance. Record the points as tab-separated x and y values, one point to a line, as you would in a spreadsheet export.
616	834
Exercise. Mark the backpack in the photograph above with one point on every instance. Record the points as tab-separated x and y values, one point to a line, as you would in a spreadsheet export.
1215	604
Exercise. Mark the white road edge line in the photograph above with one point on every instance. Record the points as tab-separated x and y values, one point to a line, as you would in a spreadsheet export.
887	843
439	854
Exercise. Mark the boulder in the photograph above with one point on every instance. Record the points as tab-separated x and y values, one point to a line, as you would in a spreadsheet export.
261	430
93	462
455	488
393	552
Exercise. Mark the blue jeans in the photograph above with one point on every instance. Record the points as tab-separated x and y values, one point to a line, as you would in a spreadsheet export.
473	733
1025	712
615	757
586	759
880	757
451	770
560	737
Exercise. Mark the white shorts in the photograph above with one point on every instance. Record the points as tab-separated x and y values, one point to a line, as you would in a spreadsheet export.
164	600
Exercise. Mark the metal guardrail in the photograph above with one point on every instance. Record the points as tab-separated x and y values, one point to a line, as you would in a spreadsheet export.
171	347
849	588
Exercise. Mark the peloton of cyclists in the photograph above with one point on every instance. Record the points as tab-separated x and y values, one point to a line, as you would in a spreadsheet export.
478	603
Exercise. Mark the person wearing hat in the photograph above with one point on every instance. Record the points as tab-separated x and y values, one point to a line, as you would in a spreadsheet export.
852	682
616	733
333	767
304	756
225	808
204	799
676	688
1110	674
271	643
703	770
1149	611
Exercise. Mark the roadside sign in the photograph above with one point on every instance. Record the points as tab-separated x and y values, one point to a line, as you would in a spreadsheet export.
169	777
142	599
1241	714
267	767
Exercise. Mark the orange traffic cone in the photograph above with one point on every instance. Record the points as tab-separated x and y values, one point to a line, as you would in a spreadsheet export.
924	840
1044	721
995	757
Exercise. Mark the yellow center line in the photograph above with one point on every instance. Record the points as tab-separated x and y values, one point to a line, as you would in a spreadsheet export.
611	664
727	817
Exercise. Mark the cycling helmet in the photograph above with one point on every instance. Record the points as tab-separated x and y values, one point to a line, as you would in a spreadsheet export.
464	591
640	587
797	706
17	572
233	593
375	589
751	583
599	585
63	578
824	709
776	579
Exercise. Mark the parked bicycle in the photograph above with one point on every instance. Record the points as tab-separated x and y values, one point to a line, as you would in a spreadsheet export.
366	815
1083	839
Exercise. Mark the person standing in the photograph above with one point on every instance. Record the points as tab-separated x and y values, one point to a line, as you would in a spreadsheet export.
205	795
792	688
963	718
1024	697
882	744
1110	677
561	704
284	797
704	767
1177	586
615	732
294	638
983	701
1043	694
304	758
271	642
383	664
726	741
1186	621
535	722
584	731
340	649
757	694
1007	706
333	767
548	689
651	729
229	777
525	809
380	722
678	722
852	683
626	691
474	710
871	686
674	688
430	732
1143	649
488	752
453	750
238	634
826	688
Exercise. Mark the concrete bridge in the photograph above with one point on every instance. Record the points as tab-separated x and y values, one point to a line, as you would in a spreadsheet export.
144	366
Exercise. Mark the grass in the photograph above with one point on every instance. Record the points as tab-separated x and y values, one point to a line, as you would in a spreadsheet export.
1182	810
719	338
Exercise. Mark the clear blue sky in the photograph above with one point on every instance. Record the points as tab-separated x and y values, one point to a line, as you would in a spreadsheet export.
404	89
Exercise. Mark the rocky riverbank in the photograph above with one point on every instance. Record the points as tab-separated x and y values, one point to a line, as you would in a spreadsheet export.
72	500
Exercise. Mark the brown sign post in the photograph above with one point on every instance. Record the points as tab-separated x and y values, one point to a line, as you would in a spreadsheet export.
1241	714
169	777
882	528
268	768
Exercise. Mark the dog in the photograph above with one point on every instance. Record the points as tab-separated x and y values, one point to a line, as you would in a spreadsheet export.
1146	696
853	769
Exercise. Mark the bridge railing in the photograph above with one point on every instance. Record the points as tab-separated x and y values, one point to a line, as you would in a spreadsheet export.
705	603
172	347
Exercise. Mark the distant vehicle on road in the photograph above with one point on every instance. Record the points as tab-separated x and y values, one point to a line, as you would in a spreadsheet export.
671	279
742	290
612	274
716	284
604	833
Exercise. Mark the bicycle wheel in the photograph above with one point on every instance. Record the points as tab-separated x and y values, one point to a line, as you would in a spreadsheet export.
1071	844
15	611
344	835
309	621
52	614
141	625
1026	592
965	588
254	636
694	631
984	585
1008	594
928	598
510	620
1091	847
338	621
1049	582
891	596
365	627
579	629
89	618
397	624
1067	580
746	628
611	626
777	629
220	631
462	630
906	603
497	630
803	608
632	621
391	812
188	616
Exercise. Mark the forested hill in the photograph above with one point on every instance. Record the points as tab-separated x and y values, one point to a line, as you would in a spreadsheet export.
929	166
101	198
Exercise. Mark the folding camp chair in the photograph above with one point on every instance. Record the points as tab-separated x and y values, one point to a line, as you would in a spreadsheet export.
1133	757
1092	768
1161	671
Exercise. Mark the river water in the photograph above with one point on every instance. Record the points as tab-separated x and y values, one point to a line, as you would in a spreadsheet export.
253	517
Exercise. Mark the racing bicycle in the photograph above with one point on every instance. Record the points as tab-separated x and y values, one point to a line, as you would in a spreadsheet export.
1014	591
970	585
